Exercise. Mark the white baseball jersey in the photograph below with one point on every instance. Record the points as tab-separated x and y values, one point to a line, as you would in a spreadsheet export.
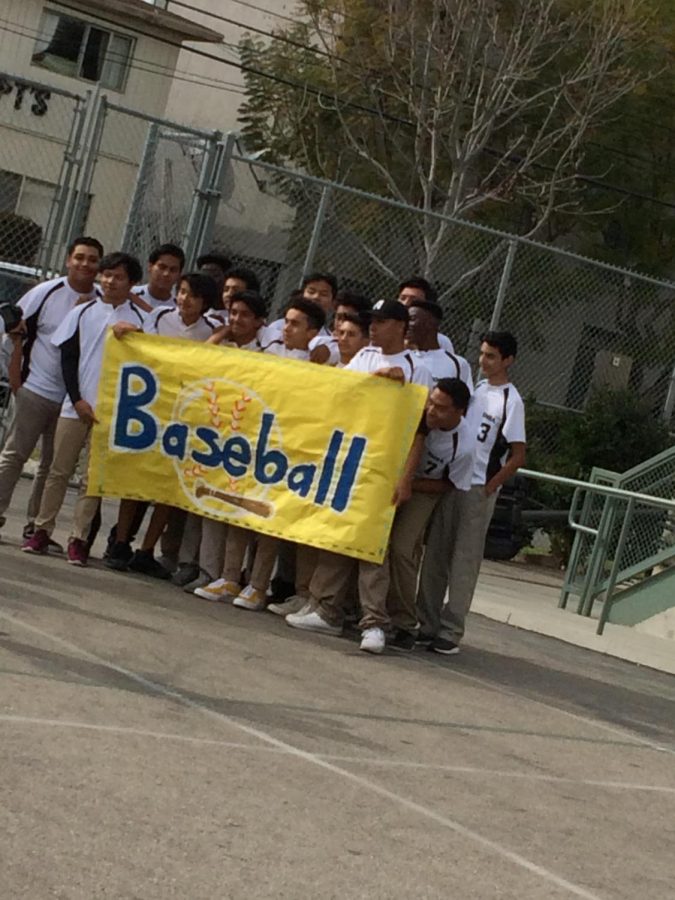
370	359
168	323
444	364
497	411
143	291
449	455
44	308
278	348
274	331
445	343
86	326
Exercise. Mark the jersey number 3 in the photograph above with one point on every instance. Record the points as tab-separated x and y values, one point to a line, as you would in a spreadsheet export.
484	431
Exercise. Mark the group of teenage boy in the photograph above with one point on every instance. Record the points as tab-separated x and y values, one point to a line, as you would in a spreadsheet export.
470	441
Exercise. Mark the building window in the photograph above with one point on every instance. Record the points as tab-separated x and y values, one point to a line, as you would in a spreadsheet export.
27	197
76	48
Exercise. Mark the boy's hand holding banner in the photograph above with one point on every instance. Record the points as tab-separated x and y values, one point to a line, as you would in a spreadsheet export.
300	451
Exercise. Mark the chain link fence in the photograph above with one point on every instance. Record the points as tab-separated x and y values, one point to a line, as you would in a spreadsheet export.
38	124
156	167
72	163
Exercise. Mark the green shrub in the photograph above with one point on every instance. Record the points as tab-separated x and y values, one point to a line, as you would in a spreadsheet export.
616	431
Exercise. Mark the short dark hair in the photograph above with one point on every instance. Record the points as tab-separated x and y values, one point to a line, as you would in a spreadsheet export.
167	250
362	321
253	300
422	285
503	341
315	315
214	259
321	276
84	241
354	301
434	309
457	390
128	262
248	276
203	286
293	296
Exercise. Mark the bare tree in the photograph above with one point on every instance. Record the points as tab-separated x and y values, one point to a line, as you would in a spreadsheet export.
460	107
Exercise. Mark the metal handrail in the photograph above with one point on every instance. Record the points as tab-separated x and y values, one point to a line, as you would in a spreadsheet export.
605	490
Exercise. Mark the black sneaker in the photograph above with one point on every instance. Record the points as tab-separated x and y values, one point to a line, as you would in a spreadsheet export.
119	556
185	573
442	645
402	640
423	640
144	563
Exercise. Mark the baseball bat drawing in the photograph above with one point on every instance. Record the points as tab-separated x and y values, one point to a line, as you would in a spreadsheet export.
257	507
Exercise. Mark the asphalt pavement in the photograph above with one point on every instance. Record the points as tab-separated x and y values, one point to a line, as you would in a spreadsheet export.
155	745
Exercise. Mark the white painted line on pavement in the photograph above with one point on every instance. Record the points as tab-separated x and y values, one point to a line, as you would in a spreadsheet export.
483	682
337	757
359	780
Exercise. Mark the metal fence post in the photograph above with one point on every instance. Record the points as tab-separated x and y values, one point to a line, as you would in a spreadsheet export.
141	186
93	141
62	196
316	230
214	192
670	399
503	285
191	235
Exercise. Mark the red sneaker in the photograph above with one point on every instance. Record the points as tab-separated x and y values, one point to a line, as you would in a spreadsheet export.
38	542
78	552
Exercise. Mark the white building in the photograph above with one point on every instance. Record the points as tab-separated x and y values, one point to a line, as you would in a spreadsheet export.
127	50
207	92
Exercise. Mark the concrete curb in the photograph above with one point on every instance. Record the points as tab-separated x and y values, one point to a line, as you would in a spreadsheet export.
540	617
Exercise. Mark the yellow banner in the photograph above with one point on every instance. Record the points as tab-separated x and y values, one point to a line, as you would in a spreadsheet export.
296	450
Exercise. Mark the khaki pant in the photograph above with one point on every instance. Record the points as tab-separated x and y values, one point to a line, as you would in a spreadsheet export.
306	561
236	545
192	535
329	589
212	547
454	552
72	436
405	553
35	420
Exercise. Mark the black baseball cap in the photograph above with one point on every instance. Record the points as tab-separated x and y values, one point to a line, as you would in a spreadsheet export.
391	309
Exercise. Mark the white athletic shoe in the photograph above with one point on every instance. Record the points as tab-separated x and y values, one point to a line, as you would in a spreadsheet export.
372	640
224	591
251	599
310	620
292	605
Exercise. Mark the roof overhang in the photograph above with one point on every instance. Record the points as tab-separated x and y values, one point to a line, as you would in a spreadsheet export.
146	17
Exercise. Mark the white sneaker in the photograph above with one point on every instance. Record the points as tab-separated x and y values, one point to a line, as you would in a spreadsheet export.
251	599
310	620
292	605
222	590
372	640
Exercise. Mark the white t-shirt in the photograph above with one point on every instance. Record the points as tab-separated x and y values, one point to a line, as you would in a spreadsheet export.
445	364
44	308
143	291
370	359
493	406
168	323
449	455
90	322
